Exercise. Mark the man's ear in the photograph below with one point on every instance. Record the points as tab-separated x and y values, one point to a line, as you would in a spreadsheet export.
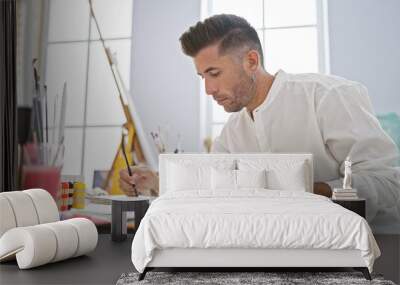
252	60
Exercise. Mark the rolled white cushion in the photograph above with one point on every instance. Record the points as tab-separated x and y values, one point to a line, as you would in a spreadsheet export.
7	218
33	246
66	238
46	207
87	235
23	208
40	244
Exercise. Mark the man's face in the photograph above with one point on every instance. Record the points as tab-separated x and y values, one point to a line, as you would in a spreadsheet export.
225	78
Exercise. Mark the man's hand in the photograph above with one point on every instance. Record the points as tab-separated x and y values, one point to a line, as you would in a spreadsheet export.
143	180
323	189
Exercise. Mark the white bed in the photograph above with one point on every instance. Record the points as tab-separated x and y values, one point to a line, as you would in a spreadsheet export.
201	220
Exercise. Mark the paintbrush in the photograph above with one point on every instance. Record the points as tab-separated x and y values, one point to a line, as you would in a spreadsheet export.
35	75
54	119
62	115
126	161
46	111
61	123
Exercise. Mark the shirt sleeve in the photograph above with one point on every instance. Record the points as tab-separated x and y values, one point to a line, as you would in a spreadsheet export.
349	128
219	146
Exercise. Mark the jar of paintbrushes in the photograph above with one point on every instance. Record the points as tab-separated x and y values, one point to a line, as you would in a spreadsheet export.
42	164
43	156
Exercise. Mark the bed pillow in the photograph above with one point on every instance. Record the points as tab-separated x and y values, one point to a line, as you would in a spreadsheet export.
293	178
282	174
183	177
229	179
189	174
251	178
223	179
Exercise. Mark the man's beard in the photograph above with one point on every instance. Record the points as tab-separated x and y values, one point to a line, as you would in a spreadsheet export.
242	93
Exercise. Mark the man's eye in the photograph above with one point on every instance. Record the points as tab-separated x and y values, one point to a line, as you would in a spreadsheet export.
214	74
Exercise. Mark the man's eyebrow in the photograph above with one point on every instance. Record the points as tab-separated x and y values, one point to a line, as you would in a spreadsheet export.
207	70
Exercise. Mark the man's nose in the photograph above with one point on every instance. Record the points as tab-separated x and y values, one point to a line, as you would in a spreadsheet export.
211	88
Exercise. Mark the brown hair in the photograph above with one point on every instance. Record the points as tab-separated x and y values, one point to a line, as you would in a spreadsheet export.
231	31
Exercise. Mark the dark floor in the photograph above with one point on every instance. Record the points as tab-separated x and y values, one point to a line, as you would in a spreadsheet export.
110	259
102	266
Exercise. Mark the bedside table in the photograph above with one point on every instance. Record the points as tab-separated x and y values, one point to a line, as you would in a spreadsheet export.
355	205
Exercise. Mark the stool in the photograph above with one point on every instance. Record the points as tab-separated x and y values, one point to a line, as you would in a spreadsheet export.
119	206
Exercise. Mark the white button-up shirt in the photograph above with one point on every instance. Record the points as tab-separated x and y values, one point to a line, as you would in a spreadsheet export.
330	117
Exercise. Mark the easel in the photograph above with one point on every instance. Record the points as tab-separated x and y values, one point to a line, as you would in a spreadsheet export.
133	148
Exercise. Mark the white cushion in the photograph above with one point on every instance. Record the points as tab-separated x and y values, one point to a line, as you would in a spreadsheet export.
87	233
34	244
185	174
23	208
184	177
251	178
293	179
46	207
223	179
227	179
7	218
67	240
282	174
40	244
26	208
241	161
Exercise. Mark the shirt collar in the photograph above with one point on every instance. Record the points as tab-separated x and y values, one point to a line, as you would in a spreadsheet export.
273	91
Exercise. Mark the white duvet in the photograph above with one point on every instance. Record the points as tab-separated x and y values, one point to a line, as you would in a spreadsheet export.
250	219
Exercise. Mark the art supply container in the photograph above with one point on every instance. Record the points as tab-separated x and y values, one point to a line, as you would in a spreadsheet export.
42	167
79	195
64	197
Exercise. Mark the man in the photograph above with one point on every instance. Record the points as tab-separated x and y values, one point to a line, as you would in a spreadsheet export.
327	116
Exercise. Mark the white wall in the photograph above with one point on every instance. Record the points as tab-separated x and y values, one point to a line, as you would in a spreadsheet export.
164	84
365	47
30	18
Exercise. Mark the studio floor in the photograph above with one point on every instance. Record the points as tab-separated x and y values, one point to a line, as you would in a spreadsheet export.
102	266
110	259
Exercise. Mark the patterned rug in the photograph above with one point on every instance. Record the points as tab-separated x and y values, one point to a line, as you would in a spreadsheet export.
230	278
